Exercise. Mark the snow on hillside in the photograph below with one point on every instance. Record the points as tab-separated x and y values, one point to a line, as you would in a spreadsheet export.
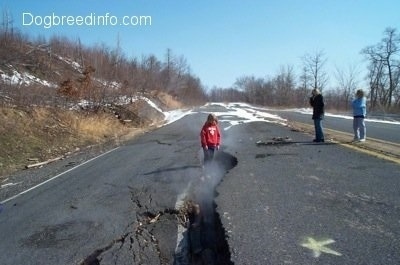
17	78
244	112
74	64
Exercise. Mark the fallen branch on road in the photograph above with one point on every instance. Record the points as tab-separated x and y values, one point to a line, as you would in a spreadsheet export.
44	163
155	219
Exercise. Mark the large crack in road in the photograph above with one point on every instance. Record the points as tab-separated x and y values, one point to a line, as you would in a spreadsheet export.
205	233
201	236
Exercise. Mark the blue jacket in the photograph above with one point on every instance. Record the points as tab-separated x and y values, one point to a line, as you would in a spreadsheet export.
359	107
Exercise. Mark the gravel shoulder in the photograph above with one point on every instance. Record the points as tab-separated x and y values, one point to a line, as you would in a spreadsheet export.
382	149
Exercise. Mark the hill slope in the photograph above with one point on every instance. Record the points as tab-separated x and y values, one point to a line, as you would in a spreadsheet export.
37	123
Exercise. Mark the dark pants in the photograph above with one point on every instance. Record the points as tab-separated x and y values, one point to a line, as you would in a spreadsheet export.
208	154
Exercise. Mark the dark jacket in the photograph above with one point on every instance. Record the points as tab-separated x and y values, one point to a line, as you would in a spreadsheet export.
317	102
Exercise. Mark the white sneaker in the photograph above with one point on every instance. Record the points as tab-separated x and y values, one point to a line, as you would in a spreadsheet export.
362	140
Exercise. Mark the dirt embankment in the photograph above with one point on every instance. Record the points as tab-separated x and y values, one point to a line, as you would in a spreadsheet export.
32	135
37	134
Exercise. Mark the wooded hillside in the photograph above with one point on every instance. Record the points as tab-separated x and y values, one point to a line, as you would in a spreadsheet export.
58	97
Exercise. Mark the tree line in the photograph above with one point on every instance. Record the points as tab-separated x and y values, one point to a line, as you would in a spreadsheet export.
121	76
286	89
106	74
102	74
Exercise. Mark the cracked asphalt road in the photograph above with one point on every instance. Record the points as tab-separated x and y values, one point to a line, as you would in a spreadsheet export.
100	210
291	201
116	208
120	208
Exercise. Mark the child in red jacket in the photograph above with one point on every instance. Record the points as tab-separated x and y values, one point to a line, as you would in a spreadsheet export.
210	138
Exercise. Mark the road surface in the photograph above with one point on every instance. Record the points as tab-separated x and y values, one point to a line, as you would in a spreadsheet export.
272	197
375	129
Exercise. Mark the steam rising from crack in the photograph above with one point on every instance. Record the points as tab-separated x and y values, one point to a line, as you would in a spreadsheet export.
201	240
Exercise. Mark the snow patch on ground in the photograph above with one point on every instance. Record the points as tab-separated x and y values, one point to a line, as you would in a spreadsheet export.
17	78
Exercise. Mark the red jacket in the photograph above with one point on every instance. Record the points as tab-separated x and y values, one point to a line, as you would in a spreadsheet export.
210	135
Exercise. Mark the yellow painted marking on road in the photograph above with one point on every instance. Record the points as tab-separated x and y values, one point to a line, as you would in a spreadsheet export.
370	152
345	138
319	247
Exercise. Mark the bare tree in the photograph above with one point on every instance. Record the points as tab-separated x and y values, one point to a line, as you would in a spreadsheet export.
348	83
384	67
255	90
151	68
314	67
284	84
168	70
226	94
7	28
304	88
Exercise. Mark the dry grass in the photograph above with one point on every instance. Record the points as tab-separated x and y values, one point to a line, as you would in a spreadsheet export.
44	133
169	100
95	127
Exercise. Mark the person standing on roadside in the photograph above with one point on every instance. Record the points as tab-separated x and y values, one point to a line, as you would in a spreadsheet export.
359	105
318	105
